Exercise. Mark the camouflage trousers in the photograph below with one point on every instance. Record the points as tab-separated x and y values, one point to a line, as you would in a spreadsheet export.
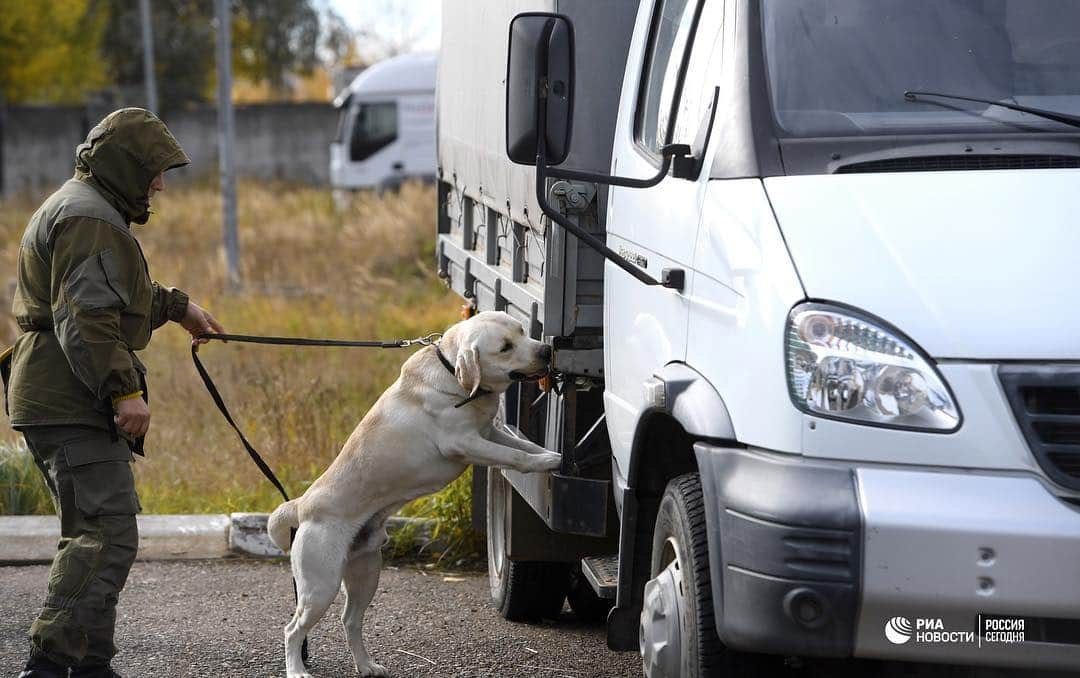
90	479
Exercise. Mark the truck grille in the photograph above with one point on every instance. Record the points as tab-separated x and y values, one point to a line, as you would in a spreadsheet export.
1046	402
945	163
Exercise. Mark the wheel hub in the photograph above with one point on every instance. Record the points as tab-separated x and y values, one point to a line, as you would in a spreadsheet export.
496	531
661	630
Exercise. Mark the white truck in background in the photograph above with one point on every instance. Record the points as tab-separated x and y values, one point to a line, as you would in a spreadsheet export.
808	271
386	125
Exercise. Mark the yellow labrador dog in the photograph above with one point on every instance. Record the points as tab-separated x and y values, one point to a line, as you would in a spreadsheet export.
415	439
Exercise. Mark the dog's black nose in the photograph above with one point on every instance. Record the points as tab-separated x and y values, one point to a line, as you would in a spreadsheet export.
545	353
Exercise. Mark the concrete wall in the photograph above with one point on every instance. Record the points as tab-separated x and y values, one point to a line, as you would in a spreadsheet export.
290	142
273	141
37	146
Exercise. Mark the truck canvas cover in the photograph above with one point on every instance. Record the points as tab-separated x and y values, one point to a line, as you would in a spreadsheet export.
493	245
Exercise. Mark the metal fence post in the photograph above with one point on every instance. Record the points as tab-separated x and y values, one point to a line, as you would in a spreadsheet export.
226	138
149	77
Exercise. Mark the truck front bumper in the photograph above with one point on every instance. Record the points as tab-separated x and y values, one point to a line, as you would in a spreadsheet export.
820	559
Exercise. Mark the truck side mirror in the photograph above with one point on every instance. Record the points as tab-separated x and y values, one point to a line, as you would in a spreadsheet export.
539	114
539	88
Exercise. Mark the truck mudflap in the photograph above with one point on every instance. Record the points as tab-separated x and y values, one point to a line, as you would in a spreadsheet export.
785	551
567	504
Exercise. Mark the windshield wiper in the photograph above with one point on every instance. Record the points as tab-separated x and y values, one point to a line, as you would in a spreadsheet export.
1063	118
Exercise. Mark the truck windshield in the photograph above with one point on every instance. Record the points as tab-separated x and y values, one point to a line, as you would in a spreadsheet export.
841	67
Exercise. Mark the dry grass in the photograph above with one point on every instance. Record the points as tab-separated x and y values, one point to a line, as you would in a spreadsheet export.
308	270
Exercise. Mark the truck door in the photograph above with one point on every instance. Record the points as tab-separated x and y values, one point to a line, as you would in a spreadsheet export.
666	98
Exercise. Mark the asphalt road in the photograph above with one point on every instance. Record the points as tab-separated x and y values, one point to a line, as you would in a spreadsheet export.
224	618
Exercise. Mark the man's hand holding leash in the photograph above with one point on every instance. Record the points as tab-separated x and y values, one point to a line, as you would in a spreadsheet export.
198	321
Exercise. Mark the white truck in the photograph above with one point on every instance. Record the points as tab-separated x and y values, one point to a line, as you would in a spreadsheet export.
386	125
808	271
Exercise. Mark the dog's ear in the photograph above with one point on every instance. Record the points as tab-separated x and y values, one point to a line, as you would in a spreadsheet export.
467	369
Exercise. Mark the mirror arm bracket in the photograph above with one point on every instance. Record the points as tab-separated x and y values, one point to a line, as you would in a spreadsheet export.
543	172
678	151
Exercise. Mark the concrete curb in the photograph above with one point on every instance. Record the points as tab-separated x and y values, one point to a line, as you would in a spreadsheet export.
32	539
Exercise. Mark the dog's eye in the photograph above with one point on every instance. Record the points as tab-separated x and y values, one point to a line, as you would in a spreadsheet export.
508	346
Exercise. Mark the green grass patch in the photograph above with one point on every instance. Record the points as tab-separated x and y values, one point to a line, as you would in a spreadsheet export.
308	269
454	541
22	487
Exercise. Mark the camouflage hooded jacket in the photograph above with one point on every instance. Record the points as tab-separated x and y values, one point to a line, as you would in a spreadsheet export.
84	298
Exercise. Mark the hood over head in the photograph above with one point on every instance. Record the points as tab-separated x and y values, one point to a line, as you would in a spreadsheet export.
122	155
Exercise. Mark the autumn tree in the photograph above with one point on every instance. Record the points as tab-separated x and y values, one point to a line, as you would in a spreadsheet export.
274	37
183	50
271	39
61	51
49	50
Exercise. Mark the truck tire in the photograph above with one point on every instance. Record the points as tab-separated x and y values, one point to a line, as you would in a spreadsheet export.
523	591
678	632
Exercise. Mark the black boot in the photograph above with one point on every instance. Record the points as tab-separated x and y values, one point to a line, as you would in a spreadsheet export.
40	667
94	671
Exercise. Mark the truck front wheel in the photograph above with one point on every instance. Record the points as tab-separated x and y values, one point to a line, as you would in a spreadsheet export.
520	590
678	636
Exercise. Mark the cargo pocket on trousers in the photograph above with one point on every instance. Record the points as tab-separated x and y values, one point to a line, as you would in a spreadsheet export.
102	478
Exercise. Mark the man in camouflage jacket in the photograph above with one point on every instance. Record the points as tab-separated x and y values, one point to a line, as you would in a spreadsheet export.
85	303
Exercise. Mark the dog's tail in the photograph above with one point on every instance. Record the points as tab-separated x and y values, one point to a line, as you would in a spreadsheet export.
281	524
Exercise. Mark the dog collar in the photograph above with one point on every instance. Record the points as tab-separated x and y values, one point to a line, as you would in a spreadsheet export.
450	368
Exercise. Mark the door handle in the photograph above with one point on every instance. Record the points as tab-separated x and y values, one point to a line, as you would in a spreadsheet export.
674	278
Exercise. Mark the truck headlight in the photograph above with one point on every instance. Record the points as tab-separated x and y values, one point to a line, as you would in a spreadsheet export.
845	366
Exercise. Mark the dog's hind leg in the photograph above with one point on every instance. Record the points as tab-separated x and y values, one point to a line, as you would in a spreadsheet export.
318	556
361	579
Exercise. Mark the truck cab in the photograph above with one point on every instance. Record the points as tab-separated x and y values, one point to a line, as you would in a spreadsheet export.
825	355
386	125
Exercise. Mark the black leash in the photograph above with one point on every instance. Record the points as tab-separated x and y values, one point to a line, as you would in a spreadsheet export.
287	341
298	341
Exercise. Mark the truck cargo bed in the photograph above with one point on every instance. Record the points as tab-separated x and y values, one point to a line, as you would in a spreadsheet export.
493	246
